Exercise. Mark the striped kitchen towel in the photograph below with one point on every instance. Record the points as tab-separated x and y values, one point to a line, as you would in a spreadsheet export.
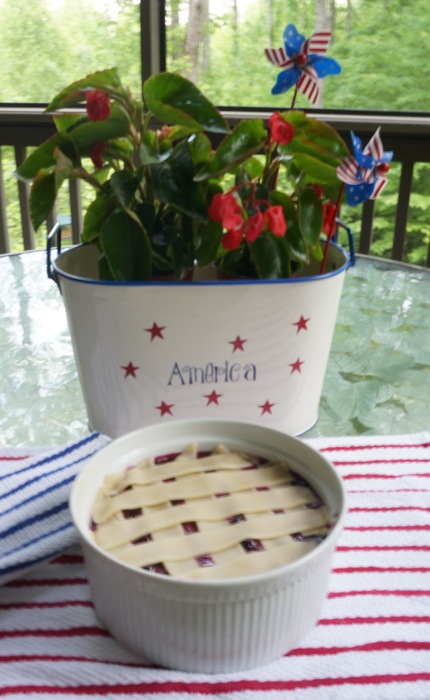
35	522
372	641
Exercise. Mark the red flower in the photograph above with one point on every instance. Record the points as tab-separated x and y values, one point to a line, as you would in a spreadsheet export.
281	131
225	209
98	105
275	220
96	154
329	214
233	222
222	207
254	226
232	239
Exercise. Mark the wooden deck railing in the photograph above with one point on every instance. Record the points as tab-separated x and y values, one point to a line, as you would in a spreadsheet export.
407	135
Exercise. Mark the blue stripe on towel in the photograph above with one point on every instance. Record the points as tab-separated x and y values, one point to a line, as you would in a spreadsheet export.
34	519
36	496
52	455
42	476
38	540
39	526
23	566
20	567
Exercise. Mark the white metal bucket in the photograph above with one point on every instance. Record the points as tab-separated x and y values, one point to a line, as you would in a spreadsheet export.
254	351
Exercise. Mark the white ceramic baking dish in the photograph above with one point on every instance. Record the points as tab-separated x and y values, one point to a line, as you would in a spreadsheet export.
208	626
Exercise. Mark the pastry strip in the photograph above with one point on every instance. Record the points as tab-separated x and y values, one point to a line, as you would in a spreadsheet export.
188	546
150	473
189	487
113	533
251	563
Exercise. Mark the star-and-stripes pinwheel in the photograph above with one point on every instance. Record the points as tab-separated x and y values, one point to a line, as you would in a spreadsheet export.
303	61
365	173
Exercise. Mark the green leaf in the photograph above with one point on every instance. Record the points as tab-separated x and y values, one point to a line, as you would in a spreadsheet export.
266	258
316	147
308	130
83	135
126	247
175	132
254	167
296	245
209	239
43	157
71	96
150	151
200	149
316	170
104	269
124	185
173	183
64	122
246	139
175	100
96	214
118	149
86	133
284	256
181	246
42	197
310	215
147	215
63	168
233	262
317	252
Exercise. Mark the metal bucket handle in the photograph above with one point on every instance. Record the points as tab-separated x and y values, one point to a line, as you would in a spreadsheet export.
351	245
56	232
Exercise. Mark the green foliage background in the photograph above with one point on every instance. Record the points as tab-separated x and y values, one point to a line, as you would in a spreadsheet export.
382	46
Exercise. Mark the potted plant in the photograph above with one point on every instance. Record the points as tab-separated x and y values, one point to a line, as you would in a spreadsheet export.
168	201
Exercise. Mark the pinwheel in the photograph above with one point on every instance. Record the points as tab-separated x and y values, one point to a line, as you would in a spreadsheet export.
365	173
303	61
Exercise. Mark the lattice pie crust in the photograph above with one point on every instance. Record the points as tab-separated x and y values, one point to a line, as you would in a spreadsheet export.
207	516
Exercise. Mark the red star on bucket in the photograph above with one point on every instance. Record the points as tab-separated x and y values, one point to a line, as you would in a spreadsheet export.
302	324
130	370
237	343
156	331
296	366
212	398
165	408
266	407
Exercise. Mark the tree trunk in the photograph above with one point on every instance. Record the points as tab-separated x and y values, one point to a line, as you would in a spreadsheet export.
206	53
332	17
270	23
174	13
321	16
322	24
235	35
175	50
193	38
348	21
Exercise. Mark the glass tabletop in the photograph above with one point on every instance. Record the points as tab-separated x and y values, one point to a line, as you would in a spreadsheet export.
377	381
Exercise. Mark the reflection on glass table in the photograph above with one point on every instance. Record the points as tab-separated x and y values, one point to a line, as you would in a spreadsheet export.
377	382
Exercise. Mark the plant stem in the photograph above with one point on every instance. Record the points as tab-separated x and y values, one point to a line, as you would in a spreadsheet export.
296	89
332	228
87	177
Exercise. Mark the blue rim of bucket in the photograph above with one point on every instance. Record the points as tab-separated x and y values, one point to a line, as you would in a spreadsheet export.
52	265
